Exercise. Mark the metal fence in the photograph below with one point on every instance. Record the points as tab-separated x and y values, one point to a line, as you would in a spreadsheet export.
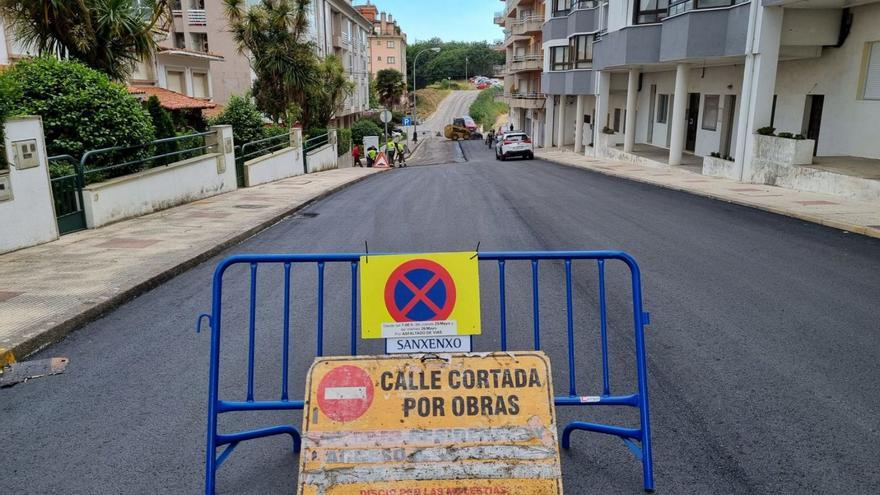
554	339
256	149
316	142
118	161
67	183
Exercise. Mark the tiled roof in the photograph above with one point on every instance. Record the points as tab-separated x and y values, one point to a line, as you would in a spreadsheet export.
171	100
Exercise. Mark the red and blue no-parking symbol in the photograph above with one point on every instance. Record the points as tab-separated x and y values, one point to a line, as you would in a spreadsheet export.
420	290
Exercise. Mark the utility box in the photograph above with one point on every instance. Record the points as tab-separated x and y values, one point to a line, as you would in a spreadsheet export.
24	154
5	188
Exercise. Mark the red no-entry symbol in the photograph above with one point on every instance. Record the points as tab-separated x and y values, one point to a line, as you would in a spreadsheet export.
420	290
345	393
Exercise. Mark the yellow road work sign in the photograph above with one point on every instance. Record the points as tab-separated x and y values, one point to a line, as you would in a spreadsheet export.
424	295
472	424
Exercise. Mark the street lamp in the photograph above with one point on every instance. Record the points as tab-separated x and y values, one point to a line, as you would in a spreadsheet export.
415	116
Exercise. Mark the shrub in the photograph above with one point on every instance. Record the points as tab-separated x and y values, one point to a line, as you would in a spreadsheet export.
343	141
246	121
446	84
314	132
485	109
275	130
164	128
715	154
786	135
766	131
607	130
800	137
80	108
364	127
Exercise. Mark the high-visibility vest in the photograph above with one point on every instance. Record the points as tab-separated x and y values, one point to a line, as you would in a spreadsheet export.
391	146
372	154
400	147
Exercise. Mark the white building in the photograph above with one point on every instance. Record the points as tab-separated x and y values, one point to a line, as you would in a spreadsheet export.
672	82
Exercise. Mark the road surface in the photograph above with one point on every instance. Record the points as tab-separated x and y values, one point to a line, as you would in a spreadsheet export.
763	348
435	150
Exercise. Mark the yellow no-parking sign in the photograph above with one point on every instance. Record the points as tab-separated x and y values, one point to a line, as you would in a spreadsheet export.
420	295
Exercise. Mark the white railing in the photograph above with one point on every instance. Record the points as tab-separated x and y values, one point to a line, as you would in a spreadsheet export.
196	17
527	24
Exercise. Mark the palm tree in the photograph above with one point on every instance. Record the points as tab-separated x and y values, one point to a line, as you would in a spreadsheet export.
389	85
274	32
107	35
326	96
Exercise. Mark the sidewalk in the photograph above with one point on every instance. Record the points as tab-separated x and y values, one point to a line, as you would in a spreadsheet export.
861	217
48	291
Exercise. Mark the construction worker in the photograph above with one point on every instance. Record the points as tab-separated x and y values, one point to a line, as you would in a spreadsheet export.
401	153
371	156
390	150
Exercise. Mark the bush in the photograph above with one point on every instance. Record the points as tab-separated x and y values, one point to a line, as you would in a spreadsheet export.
766	131
275	130
246	121
364	127
485	109
446	84
343	141
314	132
786	135
80	108
607	130
800	137
715	154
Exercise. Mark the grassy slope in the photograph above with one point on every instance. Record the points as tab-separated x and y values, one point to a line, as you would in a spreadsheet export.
485	109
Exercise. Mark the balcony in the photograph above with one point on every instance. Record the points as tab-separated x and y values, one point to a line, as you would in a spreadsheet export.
500	18
196	17
571	82
632	45
525	100
524	63
698	34
527	25
579	20
499	70
342	40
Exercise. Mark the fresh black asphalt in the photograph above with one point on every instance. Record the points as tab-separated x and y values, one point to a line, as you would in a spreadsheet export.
764	343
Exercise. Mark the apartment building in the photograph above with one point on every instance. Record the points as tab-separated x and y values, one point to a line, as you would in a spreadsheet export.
387	41
200	29
523	21
690	82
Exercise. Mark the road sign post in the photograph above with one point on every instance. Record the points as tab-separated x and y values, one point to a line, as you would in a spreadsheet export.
386	117
404	425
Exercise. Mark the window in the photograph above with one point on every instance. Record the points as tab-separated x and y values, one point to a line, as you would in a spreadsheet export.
559	58
581	50
379	58
710	112
197	4
662	108
378	43
176	5
175	80
561	7
648	11
681	6
200	85
871	90
390	44
199	41
391	60
179	40
616	120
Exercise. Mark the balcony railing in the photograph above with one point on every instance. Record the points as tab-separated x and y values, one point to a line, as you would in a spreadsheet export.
681	6
534	61
499	69
500	17
196	18
529	24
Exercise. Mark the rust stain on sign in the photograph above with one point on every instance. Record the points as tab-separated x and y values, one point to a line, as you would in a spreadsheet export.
397	425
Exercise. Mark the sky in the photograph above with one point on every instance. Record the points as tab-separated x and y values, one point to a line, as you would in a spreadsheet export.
449	20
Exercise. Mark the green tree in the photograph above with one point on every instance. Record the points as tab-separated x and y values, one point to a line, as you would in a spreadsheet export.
246	121
364	127
389	86
80	107
107	35
449	62
328	93
275	32
374	94
164	128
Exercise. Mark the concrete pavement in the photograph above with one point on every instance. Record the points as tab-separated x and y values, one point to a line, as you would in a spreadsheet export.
49	290
762	351
861	217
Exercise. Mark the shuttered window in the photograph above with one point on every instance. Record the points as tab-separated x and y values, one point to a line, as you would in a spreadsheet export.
872	73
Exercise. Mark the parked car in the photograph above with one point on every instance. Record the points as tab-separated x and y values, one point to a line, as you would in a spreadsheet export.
513	144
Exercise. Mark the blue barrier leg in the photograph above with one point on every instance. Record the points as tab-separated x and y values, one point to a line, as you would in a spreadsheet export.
354	308
535	306
285	353
503	305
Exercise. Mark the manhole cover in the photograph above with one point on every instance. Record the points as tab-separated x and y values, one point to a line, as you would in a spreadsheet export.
251	207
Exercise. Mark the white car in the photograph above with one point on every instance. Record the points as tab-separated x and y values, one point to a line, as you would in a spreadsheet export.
514	144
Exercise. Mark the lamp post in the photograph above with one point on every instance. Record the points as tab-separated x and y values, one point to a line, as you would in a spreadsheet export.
415	81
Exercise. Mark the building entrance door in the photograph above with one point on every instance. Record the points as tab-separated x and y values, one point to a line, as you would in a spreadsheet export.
693	113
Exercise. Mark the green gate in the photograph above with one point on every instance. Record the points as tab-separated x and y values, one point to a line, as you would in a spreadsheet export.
67	194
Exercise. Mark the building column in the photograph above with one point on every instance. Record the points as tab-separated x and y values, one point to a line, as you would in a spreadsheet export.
759	82
579	124
679	107
548	123
560	126
602	102
629	128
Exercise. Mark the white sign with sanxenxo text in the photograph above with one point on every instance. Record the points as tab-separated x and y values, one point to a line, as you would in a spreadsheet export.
428	344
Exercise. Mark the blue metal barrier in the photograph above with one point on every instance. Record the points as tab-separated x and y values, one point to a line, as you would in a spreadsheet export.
637	439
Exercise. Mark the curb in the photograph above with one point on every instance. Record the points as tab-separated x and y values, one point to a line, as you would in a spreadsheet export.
58	332
843	226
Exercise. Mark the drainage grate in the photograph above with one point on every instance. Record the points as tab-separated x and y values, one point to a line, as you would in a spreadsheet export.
251	207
